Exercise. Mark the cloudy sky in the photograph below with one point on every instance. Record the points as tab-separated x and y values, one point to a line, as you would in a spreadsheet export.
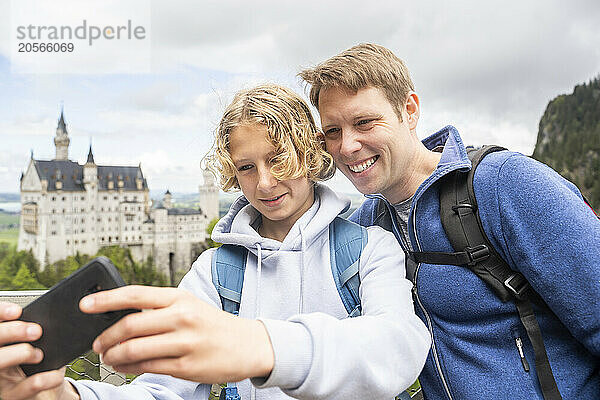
489	68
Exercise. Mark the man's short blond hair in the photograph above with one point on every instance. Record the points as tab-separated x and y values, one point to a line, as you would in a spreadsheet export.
362	66
291	129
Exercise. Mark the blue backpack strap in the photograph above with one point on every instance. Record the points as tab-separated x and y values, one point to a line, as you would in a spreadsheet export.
228	266
346	243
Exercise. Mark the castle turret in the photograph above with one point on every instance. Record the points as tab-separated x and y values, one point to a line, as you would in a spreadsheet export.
167	200
61	140
209	195
90	171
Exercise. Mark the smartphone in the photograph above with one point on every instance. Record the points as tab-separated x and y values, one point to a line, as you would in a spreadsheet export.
67	331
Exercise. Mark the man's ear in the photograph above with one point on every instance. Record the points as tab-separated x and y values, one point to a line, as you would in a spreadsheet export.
413	110
321	137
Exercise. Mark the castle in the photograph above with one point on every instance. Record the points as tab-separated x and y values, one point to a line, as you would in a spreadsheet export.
68	208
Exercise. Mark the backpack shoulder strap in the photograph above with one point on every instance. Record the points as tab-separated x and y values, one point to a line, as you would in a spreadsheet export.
346	243
462	223
228	266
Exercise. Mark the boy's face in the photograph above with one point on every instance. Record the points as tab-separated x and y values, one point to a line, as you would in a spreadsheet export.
368	142
280	202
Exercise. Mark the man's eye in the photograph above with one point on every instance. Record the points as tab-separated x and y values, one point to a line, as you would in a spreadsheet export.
244	167
332	132
364	121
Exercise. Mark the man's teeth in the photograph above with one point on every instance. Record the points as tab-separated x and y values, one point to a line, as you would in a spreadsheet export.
362	166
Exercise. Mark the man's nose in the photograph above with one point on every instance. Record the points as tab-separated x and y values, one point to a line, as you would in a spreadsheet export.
349	144
266	180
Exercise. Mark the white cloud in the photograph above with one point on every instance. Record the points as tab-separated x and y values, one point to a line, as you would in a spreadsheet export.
489	68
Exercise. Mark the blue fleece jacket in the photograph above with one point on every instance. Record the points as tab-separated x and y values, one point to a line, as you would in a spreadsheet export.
539	224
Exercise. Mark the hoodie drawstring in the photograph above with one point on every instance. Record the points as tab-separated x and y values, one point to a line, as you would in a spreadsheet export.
257	300
258	276
302	251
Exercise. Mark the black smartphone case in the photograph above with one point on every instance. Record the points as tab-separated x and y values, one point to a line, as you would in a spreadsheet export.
68	332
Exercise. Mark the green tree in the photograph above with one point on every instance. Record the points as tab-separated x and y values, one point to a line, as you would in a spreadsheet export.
25	280
59	270
131	271
209	229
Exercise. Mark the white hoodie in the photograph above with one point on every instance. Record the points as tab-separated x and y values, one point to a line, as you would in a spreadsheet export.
319	353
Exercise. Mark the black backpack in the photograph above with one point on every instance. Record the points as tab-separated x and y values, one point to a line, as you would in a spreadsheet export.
461	221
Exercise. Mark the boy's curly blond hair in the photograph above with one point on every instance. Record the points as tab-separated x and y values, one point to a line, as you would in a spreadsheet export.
291	129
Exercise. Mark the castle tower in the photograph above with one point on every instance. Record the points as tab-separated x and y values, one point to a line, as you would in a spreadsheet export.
167	200
90	183
90	172
61	140
209	195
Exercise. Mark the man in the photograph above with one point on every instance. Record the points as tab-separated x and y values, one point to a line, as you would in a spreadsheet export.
535	219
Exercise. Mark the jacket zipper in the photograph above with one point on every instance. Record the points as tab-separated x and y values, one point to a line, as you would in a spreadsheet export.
519	343
429	324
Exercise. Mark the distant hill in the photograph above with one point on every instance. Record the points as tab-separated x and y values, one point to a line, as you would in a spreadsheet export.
10	197
569	138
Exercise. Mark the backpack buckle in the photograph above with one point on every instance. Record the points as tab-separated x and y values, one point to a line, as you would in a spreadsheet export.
477	254
456	207
517	291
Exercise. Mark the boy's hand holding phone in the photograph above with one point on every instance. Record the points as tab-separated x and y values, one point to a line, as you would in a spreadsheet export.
179	335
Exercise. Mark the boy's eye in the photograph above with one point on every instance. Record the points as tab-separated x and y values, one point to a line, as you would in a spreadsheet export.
244	167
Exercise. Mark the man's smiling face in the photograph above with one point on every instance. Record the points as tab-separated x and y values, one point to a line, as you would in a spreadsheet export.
367	140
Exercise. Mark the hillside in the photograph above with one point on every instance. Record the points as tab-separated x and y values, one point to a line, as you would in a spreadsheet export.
569	138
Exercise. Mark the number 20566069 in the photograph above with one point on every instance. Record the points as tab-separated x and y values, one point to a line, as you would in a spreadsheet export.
46	47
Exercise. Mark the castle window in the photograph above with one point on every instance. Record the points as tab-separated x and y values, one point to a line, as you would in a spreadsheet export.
63	210
76	241
105	198
99	220
67	242
83	220
115	197
82	198
109	239
64	198
109	219
83	210
53	233
134	198
53	198
101	208
53	211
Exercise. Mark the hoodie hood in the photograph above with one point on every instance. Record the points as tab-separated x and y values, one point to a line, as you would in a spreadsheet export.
236	227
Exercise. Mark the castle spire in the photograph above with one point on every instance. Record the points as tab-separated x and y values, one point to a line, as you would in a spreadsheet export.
90	158
61	140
